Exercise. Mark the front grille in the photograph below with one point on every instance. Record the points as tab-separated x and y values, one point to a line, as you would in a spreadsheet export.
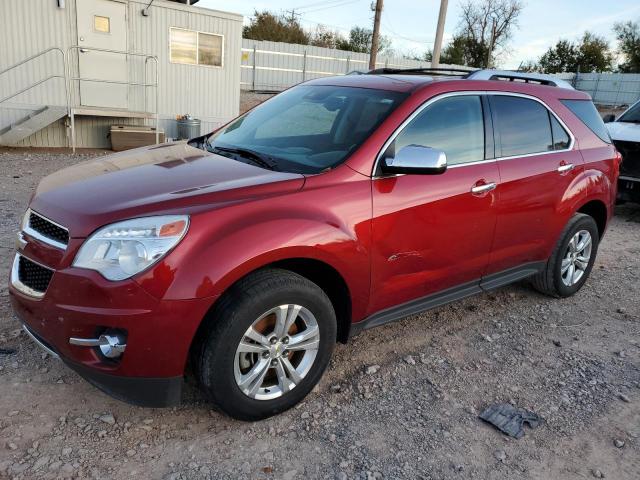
34	276
48	229
630	152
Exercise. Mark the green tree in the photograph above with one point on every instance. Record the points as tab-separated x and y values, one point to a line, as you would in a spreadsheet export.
266	25
594	54
590	54
563	57
360	41
628	35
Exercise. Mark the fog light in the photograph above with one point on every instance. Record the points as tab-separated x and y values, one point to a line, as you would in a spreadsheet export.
111	345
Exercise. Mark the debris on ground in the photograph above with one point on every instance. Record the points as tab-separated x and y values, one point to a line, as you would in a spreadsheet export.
509	419
7	351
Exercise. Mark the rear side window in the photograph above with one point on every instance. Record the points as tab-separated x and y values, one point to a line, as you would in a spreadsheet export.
522	126
454	125
586	111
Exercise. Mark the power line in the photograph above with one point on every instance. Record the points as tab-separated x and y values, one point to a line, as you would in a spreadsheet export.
323	4
394	34
326	7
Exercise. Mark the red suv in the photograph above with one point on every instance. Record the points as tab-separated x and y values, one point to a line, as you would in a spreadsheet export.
338	205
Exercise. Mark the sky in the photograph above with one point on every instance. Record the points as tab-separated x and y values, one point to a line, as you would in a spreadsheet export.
411	24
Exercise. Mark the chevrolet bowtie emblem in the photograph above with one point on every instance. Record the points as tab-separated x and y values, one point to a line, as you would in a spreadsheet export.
20	241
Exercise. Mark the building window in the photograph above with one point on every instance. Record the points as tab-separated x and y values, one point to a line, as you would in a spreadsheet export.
195	48
101	24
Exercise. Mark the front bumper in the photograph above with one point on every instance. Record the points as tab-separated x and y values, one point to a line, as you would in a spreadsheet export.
140	391
81	303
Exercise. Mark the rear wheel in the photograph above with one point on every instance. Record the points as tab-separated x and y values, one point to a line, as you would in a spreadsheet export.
572	259
266	344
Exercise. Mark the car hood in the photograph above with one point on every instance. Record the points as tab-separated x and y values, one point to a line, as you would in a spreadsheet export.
167	178
624	131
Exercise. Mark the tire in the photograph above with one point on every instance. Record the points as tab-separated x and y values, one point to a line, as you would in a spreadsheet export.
554	279
219	366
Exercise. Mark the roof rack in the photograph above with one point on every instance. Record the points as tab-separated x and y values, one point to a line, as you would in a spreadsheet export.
510	76
447	72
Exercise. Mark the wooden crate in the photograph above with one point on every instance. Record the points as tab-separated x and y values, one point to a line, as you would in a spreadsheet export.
124	137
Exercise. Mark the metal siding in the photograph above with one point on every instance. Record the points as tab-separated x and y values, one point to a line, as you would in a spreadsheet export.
209	93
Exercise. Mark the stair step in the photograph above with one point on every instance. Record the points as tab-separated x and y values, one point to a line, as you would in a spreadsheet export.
31	123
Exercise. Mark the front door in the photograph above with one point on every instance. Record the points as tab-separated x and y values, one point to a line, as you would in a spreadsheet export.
432	232
102	24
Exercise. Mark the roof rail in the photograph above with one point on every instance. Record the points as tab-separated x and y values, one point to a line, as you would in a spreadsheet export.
510	76
448	72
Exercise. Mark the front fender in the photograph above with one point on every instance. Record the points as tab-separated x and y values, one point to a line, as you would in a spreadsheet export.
224	245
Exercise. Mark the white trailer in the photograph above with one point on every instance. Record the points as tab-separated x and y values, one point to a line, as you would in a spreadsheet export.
71	69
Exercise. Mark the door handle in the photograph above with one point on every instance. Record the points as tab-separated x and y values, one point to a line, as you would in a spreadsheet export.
84	50
565	168
484	188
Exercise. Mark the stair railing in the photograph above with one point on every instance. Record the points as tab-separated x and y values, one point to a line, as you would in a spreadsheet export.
68	79
144	84
40	82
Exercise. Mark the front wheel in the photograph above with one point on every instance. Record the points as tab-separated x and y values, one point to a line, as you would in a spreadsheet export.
266	344
571	262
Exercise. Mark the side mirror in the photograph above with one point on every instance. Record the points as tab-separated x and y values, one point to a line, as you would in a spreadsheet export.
609	118
416	159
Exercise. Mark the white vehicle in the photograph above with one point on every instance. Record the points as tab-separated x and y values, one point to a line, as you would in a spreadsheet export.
625	133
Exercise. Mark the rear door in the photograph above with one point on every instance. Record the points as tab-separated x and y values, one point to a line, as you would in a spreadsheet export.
102	24
431	232
537	166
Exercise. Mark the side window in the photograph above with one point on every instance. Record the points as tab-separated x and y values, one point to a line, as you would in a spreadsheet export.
454	125
586	111
522	125
561	138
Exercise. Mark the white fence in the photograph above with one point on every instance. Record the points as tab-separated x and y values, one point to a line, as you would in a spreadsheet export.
607	89
274	66
610	88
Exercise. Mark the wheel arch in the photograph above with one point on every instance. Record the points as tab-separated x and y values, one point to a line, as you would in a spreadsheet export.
326	276
597	210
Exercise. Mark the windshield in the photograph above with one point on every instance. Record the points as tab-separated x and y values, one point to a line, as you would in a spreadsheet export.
632	115
306	129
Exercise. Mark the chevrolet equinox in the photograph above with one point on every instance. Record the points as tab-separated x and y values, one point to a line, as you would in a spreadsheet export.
338	205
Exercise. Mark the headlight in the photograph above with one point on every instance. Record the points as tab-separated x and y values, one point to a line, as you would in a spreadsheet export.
122	249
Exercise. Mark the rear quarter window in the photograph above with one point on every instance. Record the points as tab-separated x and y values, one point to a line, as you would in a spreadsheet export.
586	111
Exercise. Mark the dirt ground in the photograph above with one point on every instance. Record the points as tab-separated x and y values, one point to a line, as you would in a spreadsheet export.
400	401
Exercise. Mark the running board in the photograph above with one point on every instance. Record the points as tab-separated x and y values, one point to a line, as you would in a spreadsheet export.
449	295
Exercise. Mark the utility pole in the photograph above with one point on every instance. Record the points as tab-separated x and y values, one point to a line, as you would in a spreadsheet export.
375	38
491	44
437	46
292	15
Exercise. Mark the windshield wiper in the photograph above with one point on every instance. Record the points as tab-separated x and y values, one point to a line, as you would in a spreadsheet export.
257	158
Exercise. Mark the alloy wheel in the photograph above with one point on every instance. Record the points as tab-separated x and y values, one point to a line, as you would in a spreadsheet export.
276	352
576	259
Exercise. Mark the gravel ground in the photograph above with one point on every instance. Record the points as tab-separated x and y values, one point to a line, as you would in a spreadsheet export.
400	401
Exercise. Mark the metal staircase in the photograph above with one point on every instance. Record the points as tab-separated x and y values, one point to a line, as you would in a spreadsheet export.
44	115
30	124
